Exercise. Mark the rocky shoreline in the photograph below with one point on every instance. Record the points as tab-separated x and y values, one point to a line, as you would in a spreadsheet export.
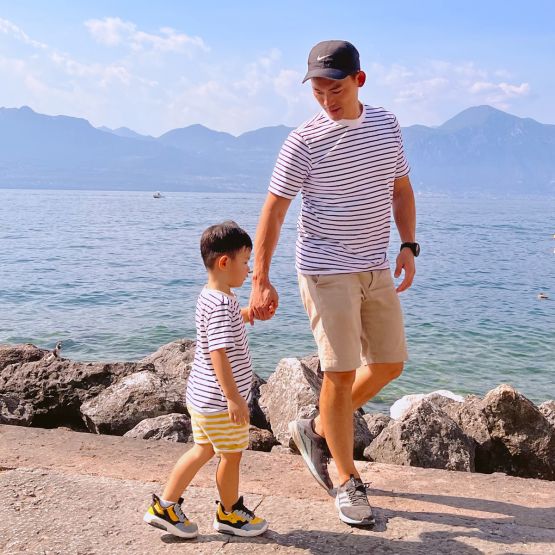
503	432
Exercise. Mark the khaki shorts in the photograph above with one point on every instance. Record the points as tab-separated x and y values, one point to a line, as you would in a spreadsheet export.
216	428
356	318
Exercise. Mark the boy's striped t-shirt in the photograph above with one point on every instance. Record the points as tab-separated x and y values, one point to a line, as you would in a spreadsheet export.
345	171
219	325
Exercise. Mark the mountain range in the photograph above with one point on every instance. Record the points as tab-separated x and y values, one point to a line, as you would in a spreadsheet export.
481	150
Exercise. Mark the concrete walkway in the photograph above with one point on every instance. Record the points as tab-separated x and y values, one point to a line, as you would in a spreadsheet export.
72	493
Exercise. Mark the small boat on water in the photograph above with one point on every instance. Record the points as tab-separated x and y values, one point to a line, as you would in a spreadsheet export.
157	194
543	296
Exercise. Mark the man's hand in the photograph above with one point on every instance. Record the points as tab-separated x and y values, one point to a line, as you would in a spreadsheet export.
405	261
238	410
263	302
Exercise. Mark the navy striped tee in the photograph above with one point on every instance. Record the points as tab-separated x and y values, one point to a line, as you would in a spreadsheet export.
345	171
219	325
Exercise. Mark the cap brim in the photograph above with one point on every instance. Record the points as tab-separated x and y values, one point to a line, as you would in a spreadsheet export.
327	72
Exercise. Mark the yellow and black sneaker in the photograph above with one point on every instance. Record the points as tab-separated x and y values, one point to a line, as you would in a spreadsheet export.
240	521
171	519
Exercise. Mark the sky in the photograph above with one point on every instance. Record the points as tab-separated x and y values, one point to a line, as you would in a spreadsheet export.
237	66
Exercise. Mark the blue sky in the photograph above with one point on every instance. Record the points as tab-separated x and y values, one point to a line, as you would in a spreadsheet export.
236	66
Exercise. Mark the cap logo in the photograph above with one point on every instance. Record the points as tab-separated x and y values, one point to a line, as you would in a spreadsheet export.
320	58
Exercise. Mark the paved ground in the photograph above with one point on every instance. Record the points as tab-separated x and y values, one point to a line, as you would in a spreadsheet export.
71	493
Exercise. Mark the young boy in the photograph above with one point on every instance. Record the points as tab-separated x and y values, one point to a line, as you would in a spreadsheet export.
218	391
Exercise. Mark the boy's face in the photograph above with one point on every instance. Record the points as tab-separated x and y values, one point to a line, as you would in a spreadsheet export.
238	267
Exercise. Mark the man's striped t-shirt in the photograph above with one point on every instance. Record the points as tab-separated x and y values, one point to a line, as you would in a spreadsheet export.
219	325
345	171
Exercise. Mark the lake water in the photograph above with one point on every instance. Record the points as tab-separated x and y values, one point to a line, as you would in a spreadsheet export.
114	275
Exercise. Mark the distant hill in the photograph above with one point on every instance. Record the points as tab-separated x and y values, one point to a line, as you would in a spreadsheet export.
480	150
483	150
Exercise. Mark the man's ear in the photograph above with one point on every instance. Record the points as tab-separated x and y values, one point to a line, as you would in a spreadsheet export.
223	262
361	78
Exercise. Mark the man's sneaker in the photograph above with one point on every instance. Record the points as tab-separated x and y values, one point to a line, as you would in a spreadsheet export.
240	521
171	519
352	503
314	451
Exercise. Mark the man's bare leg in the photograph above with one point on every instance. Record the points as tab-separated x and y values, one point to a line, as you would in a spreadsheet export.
336	412
369	381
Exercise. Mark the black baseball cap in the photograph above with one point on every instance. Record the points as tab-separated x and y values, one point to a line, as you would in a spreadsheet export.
333	59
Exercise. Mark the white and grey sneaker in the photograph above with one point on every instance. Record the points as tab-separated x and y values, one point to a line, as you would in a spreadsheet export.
314	451
352	503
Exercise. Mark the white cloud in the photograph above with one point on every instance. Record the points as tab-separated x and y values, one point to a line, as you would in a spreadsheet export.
113	31
9	28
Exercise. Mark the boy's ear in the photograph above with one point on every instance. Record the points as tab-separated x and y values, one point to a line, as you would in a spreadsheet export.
223	261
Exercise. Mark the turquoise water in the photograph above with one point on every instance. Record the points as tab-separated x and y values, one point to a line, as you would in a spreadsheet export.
114	275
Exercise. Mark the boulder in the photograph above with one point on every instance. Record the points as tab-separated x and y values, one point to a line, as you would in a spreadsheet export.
170	427
261	440
523	438
548	410
362	436
470	417
376	422
291	392
173	360
425	436
56	388
15	412
403	405
124	404
18	354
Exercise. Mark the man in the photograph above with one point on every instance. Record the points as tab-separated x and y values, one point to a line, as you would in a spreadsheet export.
349	164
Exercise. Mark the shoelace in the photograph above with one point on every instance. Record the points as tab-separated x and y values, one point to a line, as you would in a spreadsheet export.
357	495
244	512
179	512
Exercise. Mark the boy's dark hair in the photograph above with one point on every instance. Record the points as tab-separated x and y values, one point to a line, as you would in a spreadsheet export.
225	238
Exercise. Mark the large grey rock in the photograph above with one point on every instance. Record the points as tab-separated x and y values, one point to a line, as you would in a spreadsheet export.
18	354
376	422
548	410
472	420
261	440
124	404
56	388
291	392
521	434
173	360
426	437
170	427
15	412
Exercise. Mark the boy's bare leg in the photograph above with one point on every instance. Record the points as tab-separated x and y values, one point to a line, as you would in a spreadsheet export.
185	470
227	479
336	409
369	381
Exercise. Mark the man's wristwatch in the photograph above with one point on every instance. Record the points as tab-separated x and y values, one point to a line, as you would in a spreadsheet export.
414	247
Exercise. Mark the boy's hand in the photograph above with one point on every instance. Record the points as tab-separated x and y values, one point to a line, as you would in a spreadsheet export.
238	410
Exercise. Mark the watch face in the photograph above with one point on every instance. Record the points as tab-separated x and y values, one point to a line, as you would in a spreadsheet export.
416	249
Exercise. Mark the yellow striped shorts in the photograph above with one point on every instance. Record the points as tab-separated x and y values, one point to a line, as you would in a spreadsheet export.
216	428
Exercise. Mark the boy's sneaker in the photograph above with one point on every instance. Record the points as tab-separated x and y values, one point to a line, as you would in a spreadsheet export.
352	503
171	519
314	451
240	521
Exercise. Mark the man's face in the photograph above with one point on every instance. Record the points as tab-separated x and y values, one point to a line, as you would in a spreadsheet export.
339	98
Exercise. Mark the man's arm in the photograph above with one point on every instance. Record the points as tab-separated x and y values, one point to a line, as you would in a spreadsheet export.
404	213
264	298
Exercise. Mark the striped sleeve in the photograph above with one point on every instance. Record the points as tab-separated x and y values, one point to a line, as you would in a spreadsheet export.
292	167
402	167
219	332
